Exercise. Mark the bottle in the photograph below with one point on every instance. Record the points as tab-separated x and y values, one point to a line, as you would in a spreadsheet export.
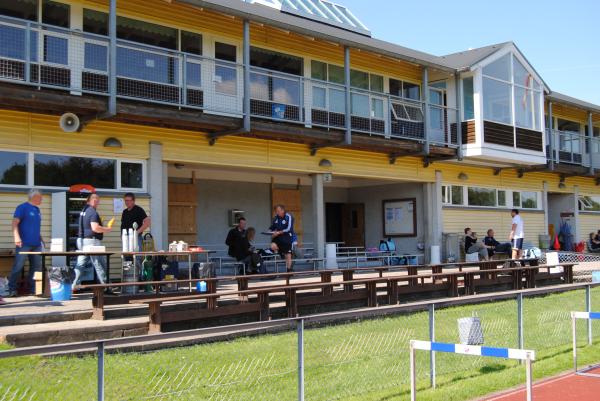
125	241
130	234
201	286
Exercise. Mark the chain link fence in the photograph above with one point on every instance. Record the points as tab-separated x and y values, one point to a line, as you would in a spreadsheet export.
349	360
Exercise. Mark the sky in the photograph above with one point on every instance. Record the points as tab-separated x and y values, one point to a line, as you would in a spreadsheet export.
561	39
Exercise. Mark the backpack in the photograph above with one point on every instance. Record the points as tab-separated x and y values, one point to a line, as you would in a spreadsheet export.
389	246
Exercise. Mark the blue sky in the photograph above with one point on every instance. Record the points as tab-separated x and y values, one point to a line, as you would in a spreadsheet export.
561	39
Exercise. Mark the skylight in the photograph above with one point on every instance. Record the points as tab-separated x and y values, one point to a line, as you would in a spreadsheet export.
318	10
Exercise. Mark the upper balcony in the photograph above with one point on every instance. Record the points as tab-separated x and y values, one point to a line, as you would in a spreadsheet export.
573	149
49	57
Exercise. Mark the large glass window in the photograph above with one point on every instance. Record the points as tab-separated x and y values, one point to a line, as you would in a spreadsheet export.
468	102
318	70
276	61
191	43
452	195
64	171
13	168
481	196
529	200
132	175
54	13
226	74
23	9
280	89
359	79
497	99
499	69
147	33
95	22
336	74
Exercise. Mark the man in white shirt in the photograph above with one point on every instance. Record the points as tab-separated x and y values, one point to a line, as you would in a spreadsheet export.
516	234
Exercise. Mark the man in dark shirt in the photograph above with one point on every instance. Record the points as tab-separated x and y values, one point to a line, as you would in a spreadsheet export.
472	246
236	241
91	232
134	214
494	245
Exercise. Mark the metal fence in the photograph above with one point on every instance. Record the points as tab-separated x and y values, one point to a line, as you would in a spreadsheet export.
318	357
47	56
574	148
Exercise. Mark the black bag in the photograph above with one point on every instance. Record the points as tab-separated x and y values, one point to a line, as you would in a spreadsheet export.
255	262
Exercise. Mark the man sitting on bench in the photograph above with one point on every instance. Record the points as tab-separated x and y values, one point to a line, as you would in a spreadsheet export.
472	246
495	246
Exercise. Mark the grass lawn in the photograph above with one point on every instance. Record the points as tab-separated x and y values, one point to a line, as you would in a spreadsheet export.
366	360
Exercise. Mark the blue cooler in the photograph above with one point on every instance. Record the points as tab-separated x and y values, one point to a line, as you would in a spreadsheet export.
60	291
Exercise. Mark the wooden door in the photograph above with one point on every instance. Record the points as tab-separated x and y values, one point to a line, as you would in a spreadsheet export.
292	201
353	224
182	213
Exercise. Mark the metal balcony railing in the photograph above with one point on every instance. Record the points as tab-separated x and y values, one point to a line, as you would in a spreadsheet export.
50	57
574	148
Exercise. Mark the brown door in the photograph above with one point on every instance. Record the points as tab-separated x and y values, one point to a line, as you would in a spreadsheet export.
182	213
353	224
291	199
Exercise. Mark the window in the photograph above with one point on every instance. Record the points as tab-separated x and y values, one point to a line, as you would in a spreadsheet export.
64	171
499	69
569	139
468	102
225	74
376	83
132	175
13	168
529	200
497	99
23	9
406	90
481	196
516	199
335	74
452	194
501	198
146	33
54	13
95	22
276	61
191	43
589	203
359	79
12	43
318	70
275	88
96	57
225	52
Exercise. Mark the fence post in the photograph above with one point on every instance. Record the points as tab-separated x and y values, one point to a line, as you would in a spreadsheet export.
520	320
432	339
300	328
529	378
413	374
101	371
588	308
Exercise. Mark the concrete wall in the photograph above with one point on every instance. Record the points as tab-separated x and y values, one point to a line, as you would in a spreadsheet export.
561	203
372	197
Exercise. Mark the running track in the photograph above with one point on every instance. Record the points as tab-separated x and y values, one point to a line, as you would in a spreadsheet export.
562	388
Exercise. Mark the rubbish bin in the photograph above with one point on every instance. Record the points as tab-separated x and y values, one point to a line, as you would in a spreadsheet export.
129	276
544	241
469	331
61	282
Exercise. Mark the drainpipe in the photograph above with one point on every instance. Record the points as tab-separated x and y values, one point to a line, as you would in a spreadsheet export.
245	128
550	136
458	115
348	136
426	110
590	139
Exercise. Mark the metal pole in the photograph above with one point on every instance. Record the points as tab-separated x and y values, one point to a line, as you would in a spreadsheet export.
246	61
590	137
432	339
550	136
300	327
112	58
574	327
458	115
413	379
348	136
588	308
27	52
529	378
101	371
520	320
426	110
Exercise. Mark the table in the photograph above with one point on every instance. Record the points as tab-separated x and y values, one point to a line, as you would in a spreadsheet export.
68	255
188	254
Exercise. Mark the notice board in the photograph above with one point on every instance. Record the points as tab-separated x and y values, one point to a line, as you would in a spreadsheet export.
399	217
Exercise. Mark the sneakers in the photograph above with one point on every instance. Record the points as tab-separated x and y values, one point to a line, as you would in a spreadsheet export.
12	294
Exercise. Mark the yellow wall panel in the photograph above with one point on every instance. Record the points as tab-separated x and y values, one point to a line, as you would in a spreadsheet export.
8	203
455	220
588	223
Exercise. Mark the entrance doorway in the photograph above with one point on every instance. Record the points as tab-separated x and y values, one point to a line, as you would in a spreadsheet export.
345	222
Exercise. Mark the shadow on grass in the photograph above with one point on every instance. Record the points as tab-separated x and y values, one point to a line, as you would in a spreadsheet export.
492	368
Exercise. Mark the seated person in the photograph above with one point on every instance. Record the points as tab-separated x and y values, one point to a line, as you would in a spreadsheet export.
495	246
472	246
594	243
237	242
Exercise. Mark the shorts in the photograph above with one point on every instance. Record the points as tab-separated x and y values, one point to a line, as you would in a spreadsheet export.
517	243
284	245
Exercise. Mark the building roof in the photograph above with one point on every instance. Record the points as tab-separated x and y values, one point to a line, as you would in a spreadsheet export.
571	101
465	59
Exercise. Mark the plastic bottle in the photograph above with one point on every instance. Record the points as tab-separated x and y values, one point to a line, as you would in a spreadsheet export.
201	286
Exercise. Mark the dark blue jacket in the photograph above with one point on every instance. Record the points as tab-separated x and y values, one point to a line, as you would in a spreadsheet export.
285	224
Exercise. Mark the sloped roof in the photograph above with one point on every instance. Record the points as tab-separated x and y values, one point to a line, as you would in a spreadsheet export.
467	58
582	104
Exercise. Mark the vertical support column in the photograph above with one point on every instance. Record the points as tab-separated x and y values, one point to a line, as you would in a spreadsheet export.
300	328
549	127
521	338
425	89
246	61
590	137
158	189
318	205
529	378
432	339
576	213
545	206
348	136
100	371
588	308
112	58
458	89
433	214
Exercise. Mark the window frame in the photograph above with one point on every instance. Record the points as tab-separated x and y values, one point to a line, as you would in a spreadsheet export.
509	203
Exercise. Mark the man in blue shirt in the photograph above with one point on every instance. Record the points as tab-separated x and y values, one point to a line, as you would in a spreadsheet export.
283	234
26	224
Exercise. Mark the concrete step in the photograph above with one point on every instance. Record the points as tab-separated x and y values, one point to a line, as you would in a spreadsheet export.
79	330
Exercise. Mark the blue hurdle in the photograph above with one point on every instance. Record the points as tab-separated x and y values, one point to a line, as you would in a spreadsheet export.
508	353
584	316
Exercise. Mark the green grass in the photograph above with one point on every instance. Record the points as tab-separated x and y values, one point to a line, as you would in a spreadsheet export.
367	360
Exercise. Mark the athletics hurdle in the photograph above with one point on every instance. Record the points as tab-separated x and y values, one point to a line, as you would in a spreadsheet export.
589	316
476	350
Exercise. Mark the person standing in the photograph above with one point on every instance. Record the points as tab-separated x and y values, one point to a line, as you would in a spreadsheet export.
516	234
26	225
91	232
134	214
283	234
236	241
